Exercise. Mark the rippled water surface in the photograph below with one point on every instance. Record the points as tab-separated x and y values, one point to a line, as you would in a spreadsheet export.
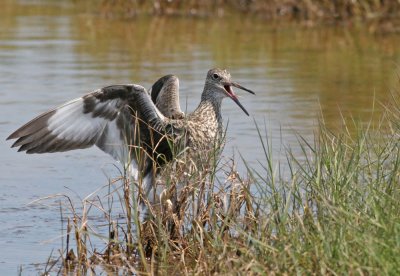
54	51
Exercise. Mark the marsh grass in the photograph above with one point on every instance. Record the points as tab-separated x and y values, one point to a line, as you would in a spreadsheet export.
384	15
333	209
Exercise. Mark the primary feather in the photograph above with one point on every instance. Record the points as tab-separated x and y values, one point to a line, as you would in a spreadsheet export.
135	127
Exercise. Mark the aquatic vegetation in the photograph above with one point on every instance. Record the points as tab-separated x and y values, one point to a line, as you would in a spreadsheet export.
331	209
384	13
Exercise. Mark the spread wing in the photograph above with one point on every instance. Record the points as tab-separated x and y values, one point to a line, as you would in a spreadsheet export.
165	95
105	118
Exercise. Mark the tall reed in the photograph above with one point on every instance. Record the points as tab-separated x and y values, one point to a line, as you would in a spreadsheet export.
331	209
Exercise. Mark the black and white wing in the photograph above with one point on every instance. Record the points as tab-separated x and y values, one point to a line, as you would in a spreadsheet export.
104	118
165	95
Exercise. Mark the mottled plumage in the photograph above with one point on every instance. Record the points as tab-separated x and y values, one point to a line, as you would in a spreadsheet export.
165	94
121	119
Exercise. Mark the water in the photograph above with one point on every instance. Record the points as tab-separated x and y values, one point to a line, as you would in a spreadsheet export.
51	52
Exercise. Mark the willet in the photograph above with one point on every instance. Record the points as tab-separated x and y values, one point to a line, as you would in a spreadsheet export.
120	119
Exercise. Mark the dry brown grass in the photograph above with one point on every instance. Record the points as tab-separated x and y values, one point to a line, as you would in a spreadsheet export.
272	8
386	13
334	211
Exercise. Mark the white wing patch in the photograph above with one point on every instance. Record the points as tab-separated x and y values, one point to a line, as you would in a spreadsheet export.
113	143
70	123
102	118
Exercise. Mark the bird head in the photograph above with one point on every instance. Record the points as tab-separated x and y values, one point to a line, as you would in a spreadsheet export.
219	82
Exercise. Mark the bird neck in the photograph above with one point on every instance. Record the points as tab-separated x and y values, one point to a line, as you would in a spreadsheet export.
209	107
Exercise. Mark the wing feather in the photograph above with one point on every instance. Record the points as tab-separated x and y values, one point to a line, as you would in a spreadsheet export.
165	95
103	117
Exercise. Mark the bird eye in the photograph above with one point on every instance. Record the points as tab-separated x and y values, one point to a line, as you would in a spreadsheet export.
215	76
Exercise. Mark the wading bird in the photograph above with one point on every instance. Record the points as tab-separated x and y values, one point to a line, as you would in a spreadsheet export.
133	126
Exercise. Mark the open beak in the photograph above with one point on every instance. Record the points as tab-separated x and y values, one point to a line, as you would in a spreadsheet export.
233	96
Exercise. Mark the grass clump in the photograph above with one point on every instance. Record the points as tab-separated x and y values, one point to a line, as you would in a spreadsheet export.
384	15
332	209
